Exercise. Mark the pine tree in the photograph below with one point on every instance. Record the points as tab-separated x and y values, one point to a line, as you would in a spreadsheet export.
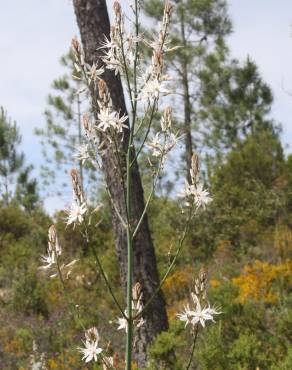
16	186
63	131
11	160
235	102
198	27
26	193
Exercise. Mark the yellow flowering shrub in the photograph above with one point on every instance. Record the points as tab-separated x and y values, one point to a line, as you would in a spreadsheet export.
214	283
257	281
63	362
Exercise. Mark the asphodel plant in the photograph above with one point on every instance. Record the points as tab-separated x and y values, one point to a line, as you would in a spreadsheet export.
148	88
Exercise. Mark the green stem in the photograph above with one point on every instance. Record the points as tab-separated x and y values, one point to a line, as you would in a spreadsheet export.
129	210
130	265
193	347
129	302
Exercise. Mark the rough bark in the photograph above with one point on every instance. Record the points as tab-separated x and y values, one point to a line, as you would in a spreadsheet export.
187	103
93	21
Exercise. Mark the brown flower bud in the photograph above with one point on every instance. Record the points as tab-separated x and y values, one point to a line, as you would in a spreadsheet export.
53	242
85	121
76	186
167	7
195	167
74	175
117	9
75	45
102	88
137	291
203	275
52	234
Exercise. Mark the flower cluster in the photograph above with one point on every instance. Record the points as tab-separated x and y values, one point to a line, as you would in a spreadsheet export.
116	50
108	118
153	83
137	307
78	207
54	251
194	193
194	313
91	350
82	154
165	140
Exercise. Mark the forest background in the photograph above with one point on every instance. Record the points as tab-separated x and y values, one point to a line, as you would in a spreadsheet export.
244	238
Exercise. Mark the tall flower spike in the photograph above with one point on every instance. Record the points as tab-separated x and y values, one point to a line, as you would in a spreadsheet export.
165	121
117	11
54	250
195	168
53	242
194	314
91	350
77	189
201	283
108	118
78	207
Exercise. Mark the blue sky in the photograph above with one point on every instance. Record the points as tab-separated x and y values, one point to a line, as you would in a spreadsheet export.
34	34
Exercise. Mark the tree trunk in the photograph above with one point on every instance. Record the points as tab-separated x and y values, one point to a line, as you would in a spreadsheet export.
187	102
93	22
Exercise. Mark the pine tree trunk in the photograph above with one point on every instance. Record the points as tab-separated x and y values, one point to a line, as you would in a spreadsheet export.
93	22
187	103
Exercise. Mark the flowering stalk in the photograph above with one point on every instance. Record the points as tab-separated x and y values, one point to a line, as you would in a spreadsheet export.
193	347
106	129
194	314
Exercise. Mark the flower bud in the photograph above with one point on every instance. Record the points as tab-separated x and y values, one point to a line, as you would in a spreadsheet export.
53	242
85	121
195	168
76	45
117	10
137	292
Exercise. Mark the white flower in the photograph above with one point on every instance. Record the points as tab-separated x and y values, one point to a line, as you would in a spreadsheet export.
140	322
91	350
200	196
123	324
186	315
153	89
82	155
107	44
156	145
107	119
161	145
48	260
131	59
201	315
112	63
76	213
197	314
93	72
